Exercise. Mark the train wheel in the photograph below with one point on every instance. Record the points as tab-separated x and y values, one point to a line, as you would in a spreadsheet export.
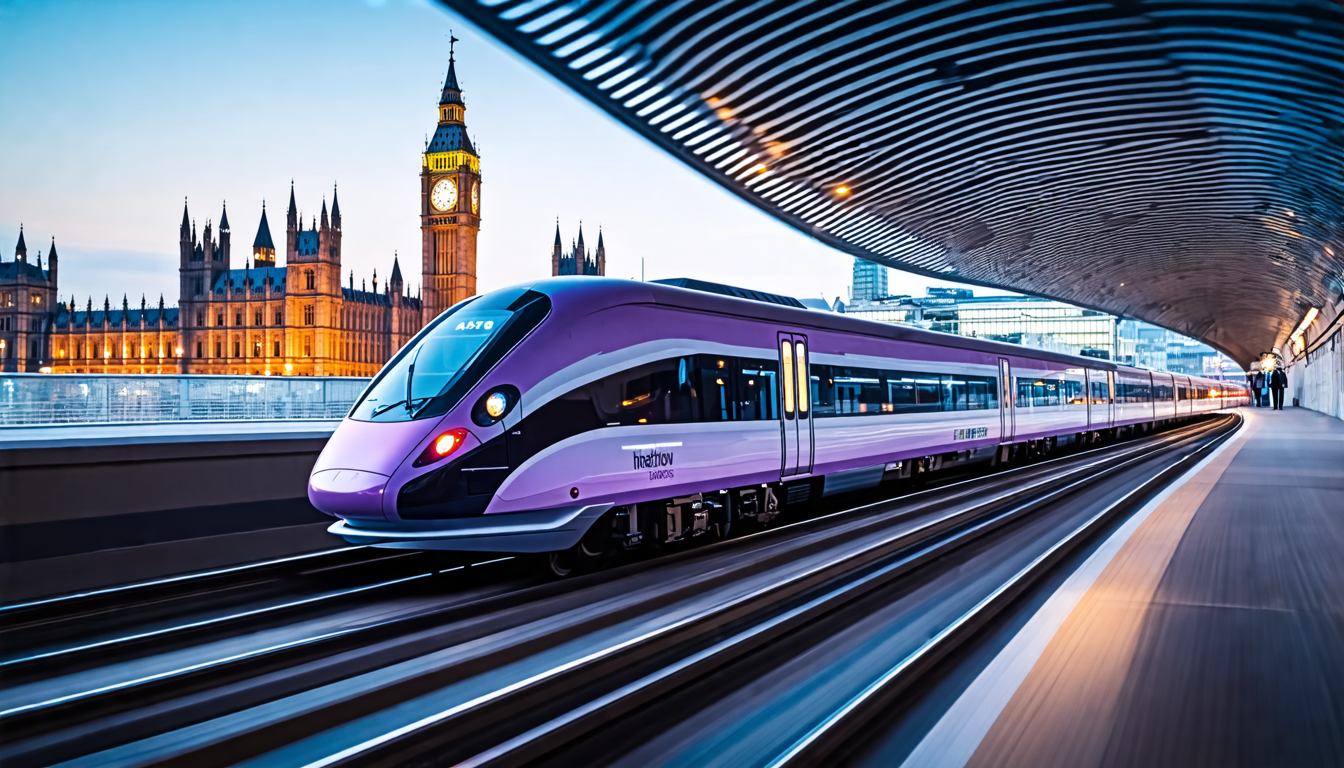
584	557
562	564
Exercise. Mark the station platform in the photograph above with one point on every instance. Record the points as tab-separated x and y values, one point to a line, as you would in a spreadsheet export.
1207	630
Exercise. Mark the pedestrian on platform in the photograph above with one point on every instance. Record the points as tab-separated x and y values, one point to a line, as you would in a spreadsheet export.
1278	381
1257	389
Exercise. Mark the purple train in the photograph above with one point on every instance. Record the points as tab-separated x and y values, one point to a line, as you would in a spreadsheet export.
576	414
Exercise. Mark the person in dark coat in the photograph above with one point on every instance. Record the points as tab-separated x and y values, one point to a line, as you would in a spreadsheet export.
1257	389
1278	381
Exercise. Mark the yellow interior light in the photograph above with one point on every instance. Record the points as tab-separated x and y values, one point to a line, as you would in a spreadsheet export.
842	191
635	400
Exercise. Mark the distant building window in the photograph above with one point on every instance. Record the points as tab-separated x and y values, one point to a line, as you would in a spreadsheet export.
308	314
237	320
277	349
237	348
199	353
257	318
279	318
256	347
79	349
310	280
200	319
36	298
6	299
307	346
219	318
219	349
198	286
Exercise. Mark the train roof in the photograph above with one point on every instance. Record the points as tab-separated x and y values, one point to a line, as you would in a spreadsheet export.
589	291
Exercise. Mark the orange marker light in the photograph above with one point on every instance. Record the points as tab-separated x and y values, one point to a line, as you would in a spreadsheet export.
842	191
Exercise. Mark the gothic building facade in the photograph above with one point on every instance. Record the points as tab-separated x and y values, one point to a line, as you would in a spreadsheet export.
578	260
27	297
265	318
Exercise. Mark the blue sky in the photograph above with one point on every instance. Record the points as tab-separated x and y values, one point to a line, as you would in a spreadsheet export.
114	111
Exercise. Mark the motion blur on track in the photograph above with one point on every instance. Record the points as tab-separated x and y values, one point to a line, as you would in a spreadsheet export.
573	415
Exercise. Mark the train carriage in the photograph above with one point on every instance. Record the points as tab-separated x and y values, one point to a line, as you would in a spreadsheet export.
570	415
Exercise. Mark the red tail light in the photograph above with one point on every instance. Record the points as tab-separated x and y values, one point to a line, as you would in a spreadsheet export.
443	446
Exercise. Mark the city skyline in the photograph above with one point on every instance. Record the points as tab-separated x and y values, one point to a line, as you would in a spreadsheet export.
107	160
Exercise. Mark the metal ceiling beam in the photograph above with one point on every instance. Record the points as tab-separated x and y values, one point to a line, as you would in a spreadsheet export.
1179	162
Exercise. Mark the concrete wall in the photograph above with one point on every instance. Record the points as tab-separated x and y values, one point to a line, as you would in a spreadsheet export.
1317	380
87	507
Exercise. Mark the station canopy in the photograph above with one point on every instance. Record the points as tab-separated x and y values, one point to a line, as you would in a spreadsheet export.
1177	162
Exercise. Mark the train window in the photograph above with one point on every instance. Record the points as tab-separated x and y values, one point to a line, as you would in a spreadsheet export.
757	393
956	394
786	354
1072	392
655	393
838	391
982	393
1099	393
452	356
914	392
1037	393
857	390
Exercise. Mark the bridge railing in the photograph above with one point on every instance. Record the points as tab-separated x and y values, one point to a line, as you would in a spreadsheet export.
28	399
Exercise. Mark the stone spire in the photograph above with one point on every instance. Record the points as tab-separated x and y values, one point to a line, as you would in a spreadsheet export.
335	209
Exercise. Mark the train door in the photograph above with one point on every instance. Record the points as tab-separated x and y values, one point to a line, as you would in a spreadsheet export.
796	416
1090	376
1110	398
1007	411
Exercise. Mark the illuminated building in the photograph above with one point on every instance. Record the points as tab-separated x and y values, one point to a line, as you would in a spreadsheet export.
27	295
265	318
450	203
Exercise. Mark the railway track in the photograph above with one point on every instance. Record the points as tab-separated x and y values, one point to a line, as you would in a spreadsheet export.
511	673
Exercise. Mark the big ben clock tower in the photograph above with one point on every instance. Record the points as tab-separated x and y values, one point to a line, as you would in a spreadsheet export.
450	204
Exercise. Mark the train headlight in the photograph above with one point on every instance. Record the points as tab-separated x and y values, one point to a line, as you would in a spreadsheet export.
447	443
442	446
496	404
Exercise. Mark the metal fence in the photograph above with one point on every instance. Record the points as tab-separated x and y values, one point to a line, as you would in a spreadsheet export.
32	398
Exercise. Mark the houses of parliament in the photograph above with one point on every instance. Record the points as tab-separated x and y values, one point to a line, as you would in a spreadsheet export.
299	318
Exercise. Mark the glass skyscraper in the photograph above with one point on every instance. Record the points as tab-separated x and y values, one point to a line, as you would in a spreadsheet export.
870	281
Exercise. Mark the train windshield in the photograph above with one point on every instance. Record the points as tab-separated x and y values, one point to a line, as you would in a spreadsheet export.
436	369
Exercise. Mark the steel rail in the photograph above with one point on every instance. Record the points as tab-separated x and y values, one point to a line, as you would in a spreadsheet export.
182	578
16	720
910	548
824	739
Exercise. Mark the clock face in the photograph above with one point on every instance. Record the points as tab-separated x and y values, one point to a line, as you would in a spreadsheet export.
444	196
475	197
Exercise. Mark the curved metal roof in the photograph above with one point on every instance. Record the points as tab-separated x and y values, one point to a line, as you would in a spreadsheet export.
1180	162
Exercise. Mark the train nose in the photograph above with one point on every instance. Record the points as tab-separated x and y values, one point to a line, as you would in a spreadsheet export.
348	493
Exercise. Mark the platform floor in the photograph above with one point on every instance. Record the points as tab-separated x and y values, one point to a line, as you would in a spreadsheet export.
1208	631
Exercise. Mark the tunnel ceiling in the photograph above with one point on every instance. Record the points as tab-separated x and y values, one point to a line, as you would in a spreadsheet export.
1177	162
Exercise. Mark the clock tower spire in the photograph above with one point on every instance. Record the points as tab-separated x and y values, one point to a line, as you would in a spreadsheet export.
450	203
